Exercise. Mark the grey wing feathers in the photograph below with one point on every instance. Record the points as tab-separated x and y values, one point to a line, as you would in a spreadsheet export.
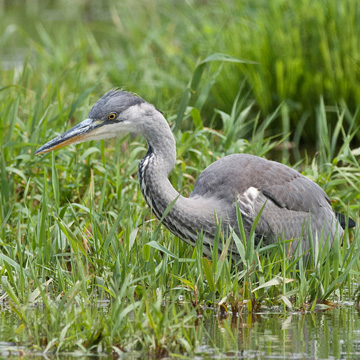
290	197
235	174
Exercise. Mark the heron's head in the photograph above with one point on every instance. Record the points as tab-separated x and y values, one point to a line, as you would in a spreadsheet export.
116	112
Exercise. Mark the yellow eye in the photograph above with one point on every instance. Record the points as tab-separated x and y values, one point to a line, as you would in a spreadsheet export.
112	116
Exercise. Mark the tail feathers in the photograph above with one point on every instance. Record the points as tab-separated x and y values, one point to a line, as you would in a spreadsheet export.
342	220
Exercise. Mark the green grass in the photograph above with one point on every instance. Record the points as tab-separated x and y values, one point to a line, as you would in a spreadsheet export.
304	50
84	265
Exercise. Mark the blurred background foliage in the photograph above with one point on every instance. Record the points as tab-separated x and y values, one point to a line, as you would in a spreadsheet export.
304	50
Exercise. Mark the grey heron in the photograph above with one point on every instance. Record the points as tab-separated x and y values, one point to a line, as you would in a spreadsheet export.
292	205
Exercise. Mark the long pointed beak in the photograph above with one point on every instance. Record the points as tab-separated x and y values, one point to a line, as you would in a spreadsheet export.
77	134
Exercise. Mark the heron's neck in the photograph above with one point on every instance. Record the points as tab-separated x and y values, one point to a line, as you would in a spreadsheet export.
161	142
154	183
187	216
155	167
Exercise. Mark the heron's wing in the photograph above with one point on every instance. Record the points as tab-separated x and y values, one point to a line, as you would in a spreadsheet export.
290	197
234	175
291	190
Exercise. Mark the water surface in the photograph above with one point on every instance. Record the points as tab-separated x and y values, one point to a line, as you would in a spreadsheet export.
332	334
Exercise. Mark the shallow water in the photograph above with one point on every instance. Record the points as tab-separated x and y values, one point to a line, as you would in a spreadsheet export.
332	334
273	334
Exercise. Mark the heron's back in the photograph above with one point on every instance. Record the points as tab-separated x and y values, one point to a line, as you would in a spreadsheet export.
290	199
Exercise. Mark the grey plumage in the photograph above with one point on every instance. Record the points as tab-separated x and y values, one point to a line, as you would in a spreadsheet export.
289	200
109	103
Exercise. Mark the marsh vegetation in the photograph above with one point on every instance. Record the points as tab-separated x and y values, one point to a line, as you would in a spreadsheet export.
84	265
